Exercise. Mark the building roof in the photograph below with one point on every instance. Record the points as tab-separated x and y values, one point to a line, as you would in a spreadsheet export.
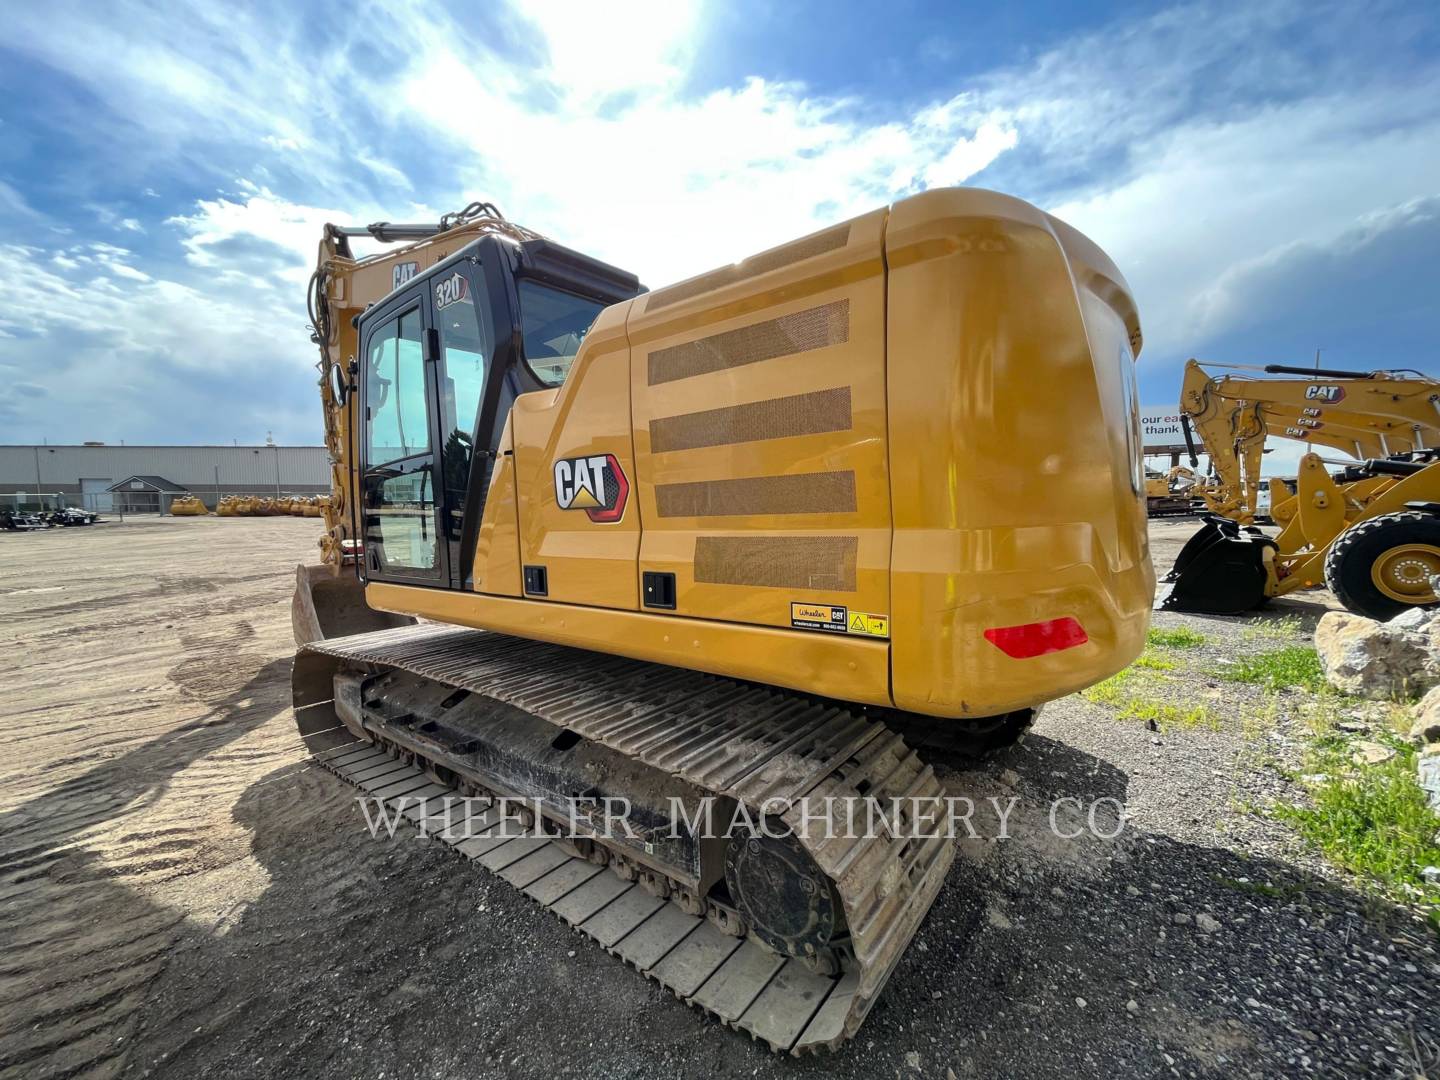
156	483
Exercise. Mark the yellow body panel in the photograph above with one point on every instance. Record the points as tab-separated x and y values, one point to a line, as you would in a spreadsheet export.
588	415
783	457
857	453
1016	493
850	668
497	549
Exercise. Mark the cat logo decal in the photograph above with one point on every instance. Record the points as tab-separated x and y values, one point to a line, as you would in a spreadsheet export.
595	484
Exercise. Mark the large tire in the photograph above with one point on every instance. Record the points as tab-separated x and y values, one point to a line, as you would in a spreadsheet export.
1383	565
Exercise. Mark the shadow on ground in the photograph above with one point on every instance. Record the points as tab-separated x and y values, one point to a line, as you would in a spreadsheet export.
365	957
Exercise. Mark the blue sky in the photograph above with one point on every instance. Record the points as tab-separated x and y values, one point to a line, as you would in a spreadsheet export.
1267	174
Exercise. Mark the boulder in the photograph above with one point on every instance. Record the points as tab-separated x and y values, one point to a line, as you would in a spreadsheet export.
1376	660
1426	728
1371	753
1414	619
1428	769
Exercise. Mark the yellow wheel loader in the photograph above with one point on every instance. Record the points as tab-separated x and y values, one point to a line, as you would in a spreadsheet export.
1371	531
744	542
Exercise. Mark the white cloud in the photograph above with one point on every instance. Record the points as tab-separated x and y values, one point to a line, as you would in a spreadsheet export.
1194	145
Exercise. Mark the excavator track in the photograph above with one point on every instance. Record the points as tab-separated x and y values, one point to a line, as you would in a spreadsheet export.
762	747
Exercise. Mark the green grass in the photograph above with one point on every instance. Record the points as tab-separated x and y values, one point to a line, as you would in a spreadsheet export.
1373	820
1179	637
1287	626
1153	662
1121	693
1294	665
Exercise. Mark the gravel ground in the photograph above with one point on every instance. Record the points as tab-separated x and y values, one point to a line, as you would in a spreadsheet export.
182	895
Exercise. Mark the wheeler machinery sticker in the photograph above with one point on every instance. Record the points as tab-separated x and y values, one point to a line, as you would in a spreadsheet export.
595	484
838	620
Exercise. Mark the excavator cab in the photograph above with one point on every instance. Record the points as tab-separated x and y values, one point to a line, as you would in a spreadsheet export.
439	361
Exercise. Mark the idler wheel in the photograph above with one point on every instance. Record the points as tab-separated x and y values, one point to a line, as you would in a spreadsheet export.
782	895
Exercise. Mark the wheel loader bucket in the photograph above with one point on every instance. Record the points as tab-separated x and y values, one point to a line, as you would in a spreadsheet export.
327	605
1221	570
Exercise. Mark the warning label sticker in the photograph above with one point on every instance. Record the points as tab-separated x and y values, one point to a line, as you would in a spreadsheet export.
873	625
838	619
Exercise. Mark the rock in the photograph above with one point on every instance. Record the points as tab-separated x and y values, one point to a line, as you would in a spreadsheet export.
1428	769
1426	728
1132	1006
1081	1002
1208	923
1371	753
1414	618
1362	656
912	1059
1353	727
1131	890
1180	919
1431	875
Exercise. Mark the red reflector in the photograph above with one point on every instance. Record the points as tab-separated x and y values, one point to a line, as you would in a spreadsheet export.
1037	638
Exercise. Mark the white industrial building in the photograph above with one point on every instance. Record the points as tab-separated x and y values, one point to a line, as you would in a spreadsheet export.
85	475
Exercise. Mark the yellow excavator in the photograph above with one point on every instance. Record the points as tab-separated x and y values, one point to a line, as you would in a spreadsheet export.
748	540
1172	492
1371	531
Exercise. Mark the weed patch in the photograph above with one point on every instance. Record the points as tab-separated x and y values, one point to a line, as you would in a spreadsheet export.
1153	662
1179	637
1373	820
1281	629
1125	694
1294	665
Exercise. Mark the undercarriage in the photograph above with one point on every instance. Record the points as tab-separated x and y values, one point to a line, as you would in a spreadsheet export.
766	855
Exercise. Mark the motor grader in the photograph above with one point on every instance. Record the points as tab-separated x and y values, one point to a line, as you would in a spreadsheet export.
750	538
1371	531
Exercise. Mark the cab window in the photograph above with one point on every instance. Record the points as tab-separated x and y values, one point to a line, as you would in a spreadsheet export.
467	339
553	324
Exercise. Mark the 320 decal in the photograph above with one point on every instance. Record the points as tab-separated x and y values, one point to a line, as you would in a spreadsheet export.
595	484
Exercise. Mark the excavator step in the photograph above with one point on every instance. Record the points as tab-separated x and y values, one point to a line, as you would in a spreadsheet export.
750	743
774	998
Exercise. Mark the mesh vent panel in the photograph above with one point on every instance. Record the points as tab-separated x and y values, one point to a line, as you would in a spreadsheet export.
805	493
777	418
826	563
801	331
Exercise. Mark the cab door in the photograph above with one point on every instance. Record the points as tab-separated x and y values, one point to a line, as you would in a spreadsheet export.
401	505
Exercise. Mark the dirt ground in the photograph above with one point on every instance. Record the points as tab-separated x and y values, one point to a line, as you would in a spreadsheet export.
182	895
